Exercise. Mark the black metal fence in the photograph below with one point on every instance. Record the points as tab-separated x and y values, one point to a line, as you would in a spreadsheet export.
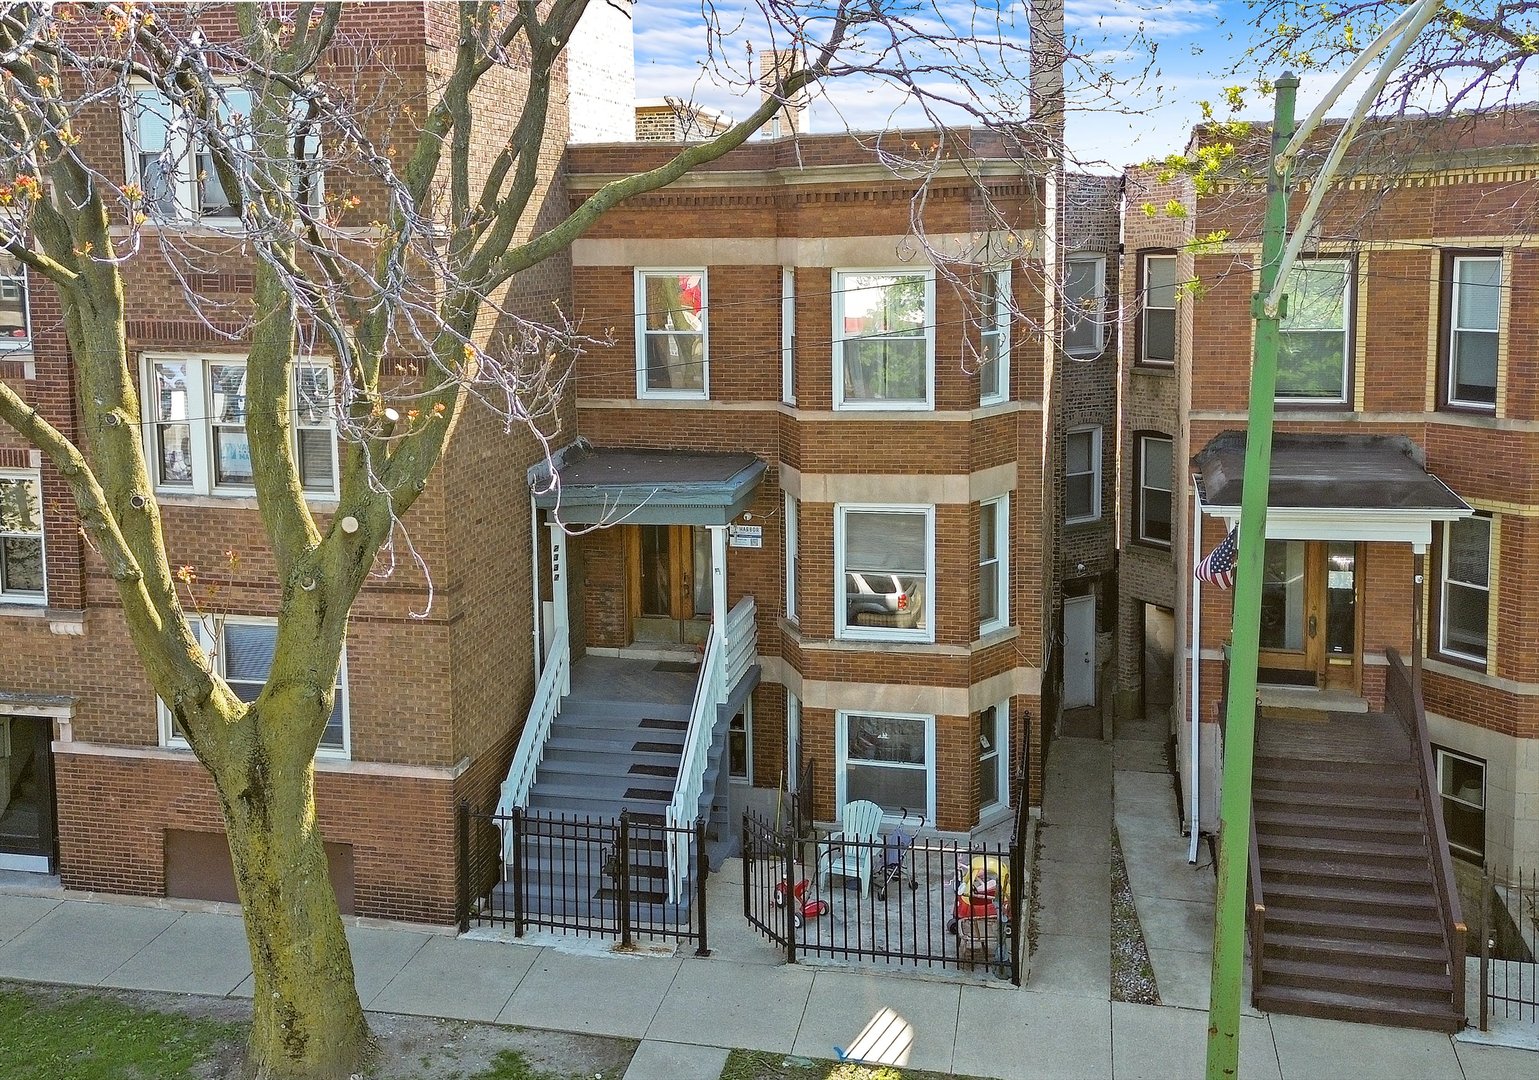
1509	925
896	898
594	876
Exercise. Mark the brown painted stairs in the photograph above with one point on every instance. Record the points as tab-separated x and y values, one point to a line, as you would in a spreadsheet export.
1352	929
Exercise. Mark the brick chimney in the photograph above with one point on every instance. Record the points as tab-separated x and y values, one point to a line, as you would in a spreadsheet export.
792	118
1044	18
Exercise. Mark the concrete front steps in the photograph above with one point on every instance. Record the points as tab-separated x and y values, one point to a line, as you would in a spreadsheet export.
1352	929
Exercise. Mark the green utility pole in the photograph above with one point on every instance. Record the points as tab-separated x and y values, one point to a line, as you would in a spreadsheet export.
1245	634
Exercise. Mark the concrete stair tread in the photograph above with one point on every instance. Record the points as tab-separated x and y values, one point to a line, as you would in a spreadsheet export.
615	742
602	786
572	804
600	708
605	764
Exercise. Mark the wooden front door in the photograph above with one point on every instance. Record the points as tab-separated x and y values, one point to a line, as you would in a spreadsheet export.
669	582
1310	630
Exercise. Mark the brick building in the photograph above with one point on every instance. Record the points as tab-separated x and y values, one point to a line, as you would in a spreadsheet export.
1400	537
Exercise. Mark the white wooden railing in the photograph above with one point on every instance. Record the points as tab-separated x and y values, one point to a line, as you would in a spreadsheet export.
555	683
727	658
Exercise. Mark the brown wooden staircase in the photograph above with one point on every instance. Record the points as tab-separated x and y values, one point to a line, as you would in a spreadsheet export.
1354	915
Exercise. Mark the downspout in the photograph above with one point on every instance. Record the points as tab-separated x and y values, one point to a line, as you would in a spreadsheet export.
1195	818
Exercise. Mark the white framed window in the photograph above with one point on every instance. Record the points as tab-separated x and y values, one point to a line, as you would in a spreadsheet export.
788	335
884	339
1465	601
23	572
196	425
15	316
1084	304
888	759
884	569
994	757
993	564
994	337
1082	475
793	740
672	339
740	745
1157	319
1461	781
1156	475
1474	330
1314	354
793	554
241	649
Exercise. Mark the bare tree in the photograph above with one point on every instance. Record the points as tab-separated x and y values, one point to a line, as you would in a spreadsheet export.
384	218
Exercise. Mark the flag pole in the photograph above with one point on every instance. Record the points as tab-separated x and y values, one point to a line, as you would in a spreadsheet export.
1239	729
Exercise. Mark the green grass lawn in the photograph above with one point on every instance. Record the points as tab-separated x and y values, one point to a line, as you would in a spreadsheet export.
759	1065
81	1036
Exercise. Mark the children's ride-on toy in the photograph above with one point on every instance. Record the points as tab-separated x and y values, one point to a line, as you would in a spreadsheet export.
802	908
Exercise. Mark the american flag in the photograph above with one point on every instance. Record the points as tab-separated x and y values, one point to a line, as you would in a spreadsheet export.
1218	567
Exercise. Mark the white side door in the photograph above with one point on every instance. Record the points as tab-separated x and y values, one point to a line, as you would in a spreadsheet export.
1078	652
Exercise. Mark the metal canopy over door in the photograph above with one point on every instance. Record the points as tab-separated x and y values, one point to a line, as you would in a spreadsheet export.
669	582
1310	631
1078	651
27	824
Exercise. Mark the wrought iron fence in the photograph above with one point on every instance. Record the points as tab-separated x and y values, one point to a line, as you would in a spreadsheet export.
1509	934
594	876
897	898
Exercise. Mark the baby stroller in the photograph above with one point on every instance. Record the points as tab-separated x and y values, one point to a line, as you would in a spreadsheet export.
897	855
981	918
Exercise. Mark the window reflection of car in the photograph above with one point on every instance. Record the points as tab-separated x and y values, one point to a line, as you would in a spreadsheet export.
878	599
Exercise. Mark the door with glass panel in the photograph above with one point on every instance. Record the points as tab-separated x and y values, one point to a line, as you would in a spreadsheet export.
27	821
669	582
1310	630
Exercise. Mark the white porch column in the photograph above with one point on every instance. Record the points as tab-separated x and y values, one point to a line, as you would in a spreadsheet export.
719	578
1194	754
561	620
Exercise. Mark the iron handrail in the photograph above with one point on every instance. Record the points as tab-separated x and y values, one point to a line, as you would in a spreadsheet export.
555	683
1403	697
1257	910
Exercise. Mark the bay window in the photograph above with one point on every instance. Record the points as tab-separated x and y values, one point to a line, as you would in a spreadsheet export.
884	339
888	759
672	345
884	566
1314	337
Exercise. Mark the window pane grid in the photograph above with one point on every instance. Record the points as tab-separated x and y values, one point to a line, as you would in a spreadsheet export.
883	563
1312	341
1154	493
1157	340
1466	594
673	332
1082	470
22	574
1474	331
882	328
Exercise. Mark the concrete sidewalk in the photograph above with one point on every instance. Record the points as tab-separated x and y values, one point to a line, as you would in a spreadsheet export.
688	1011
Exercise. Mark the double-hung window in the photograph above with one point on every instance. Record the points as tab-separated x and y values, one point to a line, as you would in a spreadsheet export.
1155	477
994	756
1461	781
672	347
1473	319
884	339
15	319
788	335
1082	475
197	425
1084	305
884	565
888	759
1157	317
241	651
1465	598
994	337
22	574
1314	337
993	564
793	554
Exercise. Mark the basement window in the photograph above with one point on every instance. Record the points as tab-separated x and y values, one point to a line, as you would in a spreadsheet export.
1461	780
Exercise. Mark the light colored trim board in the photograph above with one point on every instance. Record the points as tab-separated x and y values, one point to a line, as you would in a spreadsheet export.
797	251
941	489
169	755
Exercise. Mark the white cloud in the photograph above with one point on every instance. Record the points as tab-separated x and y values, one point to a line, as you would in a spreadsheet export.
1153	17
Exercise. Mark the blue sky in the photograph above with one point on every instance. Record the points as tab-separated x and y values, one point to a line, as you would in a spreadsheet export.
1181	48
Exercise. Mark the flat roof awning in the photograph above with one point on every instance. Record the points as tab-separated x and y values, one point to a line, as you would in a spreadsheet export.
598	486
1332	487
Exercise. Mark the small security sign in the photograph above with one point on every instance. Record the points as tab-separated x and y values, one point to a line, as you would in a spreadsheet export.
745	536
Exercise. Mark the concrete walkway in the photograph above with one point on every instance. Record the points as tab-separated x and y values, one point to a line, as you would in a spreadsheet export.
688	1012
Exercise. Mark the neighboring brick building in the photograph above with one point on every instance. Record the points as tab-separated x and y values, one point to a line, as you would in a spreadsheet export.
1412	333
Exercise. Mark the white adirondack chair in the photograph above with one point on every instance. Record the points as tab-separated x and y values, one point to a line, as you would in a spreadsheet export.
849	851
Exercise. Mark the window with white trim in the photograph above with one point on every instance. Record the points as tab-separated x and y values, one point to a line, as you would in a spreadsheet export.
994	756
1152	497
1313	353
793	554
1461	781
994	338
196	425
1465	601
793	740
1474	330
1084	304
993	564
241	650
884	568
672	340
15	317
788	335
23	577
884	339
1157	325
1082	475
888	759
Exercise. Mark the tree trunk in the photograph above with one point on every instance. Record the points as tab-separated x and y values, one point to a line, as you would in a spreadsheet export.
307	1022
